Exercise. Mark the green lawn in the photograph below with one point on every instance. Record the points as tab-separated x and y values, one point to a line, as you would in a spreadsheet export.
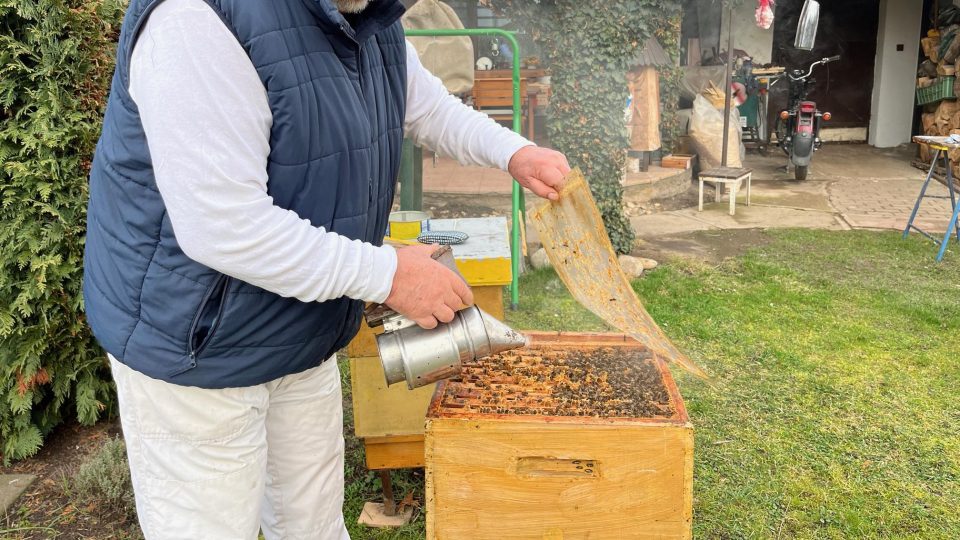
835	408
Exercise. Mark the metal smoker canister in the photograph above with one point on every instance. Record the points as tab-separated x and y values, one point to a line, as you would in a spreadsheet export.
422	356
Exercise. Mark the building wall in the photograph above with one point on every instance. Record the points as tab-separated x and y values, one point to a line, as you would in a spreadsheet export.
747	36
894	77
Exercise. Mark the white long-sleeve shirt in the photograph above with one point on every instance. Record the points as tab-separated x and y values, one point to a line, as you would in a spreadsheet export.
207	121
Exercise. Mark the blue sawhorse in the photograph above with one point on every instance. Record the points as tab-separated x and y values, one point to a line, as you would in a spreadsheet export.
953	226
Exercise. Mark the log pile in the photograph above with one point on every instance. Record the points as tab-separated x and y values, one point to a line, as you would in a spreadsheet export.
941	47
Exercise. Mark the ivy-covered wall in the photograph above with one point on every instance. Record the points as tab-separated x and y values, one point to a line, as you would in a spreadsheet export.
588	46
56	58
668	34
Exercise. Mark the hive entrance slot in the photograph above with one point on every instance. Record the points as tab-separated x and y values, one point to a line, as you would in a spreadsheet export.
541	467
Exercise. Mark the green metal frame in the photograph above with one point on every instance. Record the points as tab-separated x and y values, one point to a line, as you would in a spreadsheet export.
518	198
411	176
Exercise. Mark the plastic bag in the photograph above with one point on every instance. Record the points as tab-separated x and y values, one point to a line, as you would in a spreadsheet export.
764	14
706	132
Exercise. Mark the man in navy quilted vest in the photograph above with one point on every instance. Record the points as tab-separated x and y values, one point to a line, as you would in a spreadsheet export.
238	201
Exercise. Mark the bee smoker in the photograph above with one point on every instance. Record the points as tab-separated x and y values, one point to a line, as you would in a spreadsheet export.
419	356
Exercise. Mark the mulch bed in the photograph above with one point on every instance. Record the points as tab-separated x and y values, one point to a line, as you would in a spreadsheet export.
46	510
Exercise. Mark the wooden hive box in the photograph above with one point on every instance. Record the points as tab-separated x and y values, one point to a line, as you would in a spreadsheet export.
390	419
577	436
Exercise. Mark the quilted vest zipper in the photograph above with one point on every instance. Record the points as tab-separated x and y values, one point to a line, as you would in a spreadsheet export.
219	286
360	70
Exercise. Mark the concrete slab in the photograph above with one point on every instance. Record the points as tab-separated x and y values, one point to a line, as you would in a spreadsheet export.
798	195
839	161
656	183
715	216
668	223
849	186
11	487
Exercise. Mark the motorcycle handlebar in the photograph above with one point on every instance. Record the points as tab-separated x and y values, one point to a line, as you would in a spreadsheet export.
813	65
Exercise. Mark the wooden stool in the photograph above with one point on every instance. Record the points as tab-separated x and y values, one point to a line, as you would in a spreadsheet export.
726	175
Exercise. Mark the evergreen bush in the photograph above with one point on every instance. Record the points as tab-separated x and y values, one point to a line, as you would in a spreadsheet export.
56	59
589	46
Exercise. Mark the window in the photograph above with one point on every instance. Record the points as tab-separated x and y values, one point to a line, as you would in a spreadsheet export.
487	19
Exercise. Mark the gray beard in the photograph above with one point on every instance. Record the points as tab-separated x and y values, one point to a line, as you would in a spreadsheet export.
352	6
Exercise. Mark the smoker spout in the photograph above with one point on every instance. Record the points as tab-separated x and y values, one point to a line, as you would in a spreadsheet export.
500	336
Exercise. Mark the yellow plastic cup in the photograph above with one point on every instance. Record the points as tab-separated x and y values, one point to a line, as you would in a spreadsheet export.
408	224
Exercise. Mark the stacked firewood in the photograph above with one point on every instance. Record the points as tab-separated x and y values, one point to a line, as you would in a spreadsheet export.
941	47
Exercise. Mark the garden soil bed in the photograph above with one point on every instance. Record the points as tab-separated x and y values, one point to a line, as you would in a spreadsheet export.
46	510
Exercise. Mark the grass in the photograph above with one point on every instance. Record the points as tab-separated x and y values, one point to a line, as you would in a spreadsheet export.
835	357
361	485
834	410
835	405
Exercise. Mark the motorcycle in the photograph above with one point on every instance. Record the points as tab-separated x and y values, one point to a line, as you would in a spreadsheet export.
798	127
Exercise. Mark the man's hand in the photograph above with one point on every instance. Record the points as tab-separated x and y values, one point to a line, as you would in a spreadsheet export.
540	170
424	290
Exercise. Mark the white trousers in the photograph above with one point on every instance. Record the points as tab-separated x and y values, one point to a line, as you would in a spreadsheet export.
222	464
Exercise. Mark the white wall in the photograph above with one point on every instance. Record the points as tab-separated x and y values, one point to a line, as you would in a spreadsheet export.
894	78
747	36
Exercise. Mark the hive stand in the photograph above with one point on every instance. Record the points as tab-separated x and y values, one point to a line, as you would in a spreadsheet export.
390	420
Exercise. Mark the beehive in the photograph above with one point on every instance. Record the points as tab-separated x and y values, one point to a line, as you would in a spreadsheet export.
390	419
575	437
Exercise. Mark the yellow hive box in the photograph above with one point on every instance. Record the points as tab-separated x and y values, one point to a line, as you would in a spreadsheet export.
391	419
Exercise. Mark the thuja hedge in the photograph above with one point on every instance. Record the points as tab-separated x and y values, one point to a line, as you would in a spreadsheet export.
589	46
56	58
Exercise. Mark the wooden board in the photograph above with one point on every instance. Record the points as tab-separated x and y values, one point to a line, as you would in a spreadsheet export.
364	343
394	452
383	411
525	477
488	92
484	259
490	299
508	73
676	161
485	478
644	86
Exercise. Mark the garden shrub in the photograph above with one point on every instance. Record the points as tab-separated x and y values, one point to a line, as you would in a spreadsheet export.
105	480
589	46
56	59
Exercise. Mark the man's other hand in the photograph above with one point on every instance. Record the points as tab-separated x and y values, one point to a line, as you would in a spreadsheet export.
424	290
540	170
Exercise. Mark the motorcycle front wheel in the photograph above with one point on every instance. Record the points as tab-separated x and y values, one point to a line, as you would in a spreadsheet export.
800	172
